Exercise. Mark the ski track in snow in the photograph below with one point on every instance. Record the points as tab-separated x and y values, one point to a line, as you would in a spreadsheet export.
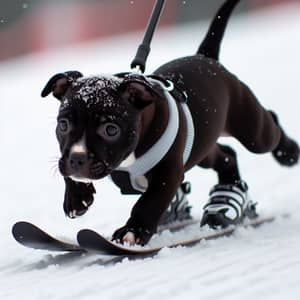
263	50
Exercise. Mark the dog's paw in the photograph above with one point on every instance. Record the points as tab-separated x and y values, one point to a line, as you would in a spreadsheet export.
132	235
78	198
287	152
75	209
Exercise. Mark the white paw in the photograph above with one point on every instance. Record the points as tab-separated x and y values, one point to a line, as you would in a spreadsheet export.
129	238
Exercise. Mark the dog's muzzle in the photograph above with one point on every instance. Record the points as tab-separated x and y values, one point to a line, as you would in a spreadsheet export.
80	167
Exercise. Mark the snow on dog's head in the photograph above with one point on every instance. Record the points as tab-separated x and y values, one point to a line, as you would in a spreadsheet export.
94	91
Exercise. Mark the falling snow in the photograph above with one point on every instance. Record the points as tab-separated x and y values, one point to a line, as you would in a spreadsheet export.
261	264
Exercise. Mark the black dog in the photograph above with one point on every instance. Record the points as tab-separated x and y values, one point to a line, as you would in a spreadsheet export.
131	123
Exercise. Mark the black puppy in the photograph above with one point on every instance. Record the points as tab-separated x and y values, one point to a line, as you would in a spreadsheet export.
133	125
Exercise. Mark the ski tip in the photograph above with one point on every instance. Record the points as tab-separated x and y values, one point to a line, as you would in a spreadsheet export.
93	241
87	234
18	228
29	235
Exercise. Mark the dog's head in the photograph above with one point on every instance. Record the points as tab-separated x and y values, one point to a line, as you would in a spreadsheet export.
98	124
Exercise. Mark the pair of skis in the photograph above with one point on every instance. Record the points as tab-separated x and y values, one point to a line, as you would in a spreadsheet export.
89	240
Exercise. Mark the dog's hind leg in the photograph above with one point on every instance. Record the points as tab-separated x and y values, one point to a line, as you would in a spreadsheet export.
287	150
223	160
258	129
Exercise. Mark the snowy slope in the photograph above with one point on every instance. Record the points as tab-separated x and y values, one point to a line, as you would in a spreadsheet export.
263	50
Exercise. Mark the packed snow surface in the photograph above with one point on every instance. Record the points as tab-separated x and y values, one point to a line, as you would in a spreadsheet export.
263	50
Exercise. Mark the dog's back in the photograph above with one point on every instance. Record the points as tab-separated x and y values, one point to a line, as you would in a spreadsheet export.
217	96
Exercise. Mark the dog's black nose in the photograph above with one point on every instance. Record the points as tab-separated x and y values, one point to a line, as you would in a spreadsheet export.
78	161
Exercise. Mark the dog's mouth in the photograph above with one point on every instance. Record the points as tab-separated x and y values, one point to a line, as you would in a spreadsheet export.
83	169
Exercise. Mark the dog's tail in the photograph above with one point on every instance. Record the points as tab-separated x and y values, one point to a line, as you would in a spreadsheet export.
210	47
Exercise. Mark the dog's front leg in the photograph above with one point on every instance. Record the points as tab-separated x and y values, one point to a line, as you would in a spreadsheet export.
78	197
146	213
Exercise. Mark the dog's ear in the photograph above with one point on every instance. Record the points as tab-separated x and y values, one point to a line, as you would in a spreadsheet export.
139	92
59	84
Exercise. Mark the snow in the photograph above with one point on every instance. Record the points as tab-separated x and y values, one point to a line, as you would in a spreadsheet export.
263	50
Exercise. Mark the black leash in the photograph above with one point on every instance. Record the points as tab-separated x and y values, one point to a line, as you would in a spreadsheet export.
144	49
139	62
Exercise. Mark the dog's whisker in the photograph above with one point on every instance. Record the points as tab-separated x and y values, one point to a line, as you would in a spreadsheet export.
54	157
54	174
54	162
54	166
54	170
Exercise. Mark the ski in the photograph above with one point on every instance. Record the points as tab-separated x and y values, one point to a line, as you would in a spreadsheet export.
178	225
93	241
31	236
34	237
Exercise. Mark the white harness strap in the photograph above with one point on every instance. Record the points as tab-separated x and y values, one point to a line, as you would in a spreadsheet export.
190	133
137	168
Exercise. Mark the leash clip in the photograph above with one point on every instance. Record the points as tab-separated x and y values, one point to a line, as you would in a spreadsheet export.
170	86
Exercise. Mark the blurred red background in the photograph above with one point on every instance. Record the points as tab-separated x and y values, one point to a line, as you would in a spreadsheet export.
40	25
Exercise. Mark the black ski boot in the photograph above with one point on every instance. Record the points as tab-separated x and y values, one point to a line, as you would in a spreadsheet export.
179	209
228	204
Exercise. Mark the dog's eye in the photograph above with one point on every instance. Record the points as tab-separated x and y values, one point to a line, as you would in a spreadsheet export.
109	131
112	130
63	125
